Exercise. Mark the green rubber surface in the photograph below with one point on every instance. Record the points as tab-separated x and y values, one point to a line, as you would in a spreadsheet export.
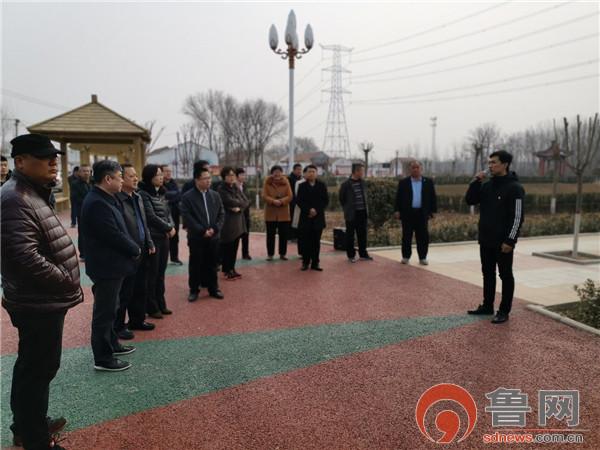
167	371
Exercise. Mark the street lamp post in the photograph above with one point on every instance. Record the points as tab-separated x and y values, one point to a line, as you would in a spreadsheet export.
292	53
366	148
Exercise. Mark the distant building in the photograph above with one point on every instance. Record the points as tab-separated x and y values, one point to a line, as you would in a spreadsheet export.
182	157
379	170
400	167
319	159
341	167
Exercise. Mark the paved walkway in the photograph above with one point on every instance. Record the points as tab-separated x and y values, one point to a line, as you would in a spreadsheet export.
309	360
537	280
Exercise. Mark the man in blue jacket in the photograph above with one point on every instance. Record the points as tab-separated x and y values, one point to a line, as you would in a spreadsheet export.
111	255
500	219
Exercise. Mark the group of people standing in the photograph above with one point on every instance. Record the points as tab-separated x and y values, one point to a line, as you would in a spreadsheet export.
127	228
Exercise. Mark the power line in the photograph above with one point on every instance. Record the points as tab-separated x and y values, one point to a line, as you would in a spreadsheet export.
308	113
37	101
484	47
486	83
482	94
429	30
481	62
313	128
311	92
464	35
299	82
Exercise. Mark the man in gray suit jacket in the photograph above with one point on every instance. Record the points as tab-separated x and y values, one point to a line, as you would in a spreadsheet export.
203	216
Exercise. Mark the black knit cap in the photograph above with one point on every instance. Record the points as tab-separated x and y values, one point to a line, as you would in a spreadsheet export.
35	145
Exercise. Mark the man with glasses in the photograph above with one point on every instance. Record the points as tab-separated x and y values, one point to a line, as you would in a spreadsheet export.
111	256
40	282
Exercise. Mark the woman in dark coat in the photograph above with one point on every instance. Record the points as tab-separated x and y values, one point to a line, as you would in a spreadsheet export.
312	199
161	229
234	202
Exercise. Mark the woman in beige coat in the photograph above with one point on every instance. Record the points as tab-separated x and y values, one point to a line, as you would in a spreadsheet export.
277	195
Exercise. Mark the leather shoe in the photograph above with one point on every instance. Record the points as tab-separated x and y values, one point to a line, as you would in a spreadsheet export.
481	311
156	315
217	294
54	426
304	267
166	311
144	326
317	268
125	334
500	317
193	296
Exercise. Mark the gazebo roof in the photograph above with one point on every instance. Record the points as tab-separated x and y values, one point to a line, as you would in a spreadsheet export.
549	153
93	119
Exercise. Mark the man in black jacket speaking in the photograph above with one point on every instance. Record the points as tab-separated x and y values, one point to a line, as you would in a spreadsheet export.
500	219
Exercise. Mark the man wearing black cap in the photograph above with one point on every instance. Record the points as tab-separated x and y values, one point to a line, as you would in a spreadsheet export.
40	281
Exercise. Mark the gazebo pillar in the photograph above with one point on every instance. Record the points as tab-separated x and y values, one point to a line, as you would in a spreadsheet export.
64	167
84	156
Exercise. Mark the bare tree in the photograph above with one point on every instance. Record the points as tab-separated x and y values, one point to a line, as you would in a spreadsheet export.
483	138
258	123
154	137
581	146
205	109
188	149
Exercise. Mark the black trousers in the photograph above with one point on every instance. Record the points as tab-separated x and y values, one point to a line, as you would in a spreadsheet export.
358	225
280	228
80	237
38	360
157	266
106	304
311	245
174	241
74	213
490	258
229	254
246	236
204	257
132	298
415	222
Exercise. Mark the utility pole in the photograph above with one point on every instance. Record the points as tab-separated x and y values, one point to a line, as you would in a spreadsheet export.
366	148
17	121
433	151
396	169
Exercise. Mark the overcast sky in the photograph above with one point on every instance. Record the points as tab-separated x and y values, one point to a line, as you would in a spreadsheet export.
143	59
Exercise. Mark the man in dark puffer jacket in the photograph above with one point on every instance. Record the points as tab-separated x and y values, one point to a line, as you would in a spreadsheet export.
40	279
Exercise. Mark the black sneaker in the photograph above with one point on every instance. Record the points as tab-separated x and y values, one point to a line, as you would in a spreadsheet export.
247	257
304	267
177	262
193	296
54	426
366	258
114	365
500	317
144	326
481	311
124	350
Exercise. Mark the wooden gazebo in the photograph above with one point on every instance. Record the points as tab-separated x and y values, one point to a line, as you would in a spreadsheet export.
552	154
94	129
